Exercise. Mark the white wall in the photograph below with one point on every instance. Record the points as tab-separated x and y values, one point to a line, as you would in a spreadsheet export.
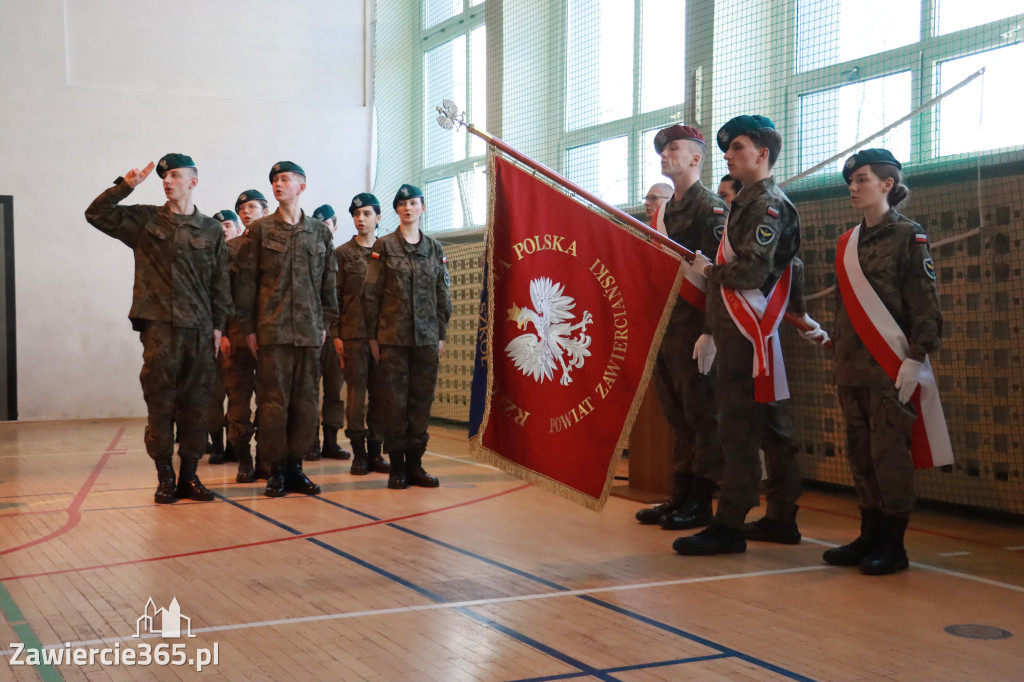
91	88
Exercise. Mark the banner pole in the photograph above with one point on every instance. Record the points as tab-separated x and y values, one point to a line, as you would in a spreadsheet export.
451	118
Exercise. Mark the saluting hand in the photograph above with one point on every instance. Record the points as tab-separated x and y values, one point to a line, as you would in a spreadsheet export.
134	177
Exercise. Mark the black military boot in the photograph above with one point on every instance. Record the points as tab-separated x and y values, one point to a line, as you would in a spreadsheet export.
165	489
189	485
715	539
415	474
888	555
331	448
217	446
651	516
246	472
378	464
770	530
696	511
396	477
314	455
853	553
230	454
295	481
360	462
275	481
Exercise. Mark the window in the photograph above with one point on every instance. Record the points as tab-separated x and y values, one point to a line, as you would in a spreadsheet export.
856	74
625	75
456	69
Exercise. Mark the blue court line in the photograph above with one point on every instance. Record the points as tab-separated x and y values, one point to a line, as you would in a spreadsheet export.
584	668
593	600
628	668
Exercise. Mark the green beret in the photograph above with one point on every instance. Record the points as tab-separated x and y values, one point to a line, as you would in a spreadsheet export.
740	125
363	199
286	167
250	195
406	192
676	132
866	157
226	214
172	161
325	212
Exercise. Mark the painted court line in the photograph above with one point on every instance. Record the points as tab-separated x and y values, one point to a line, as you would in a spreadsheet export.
258	543
74	509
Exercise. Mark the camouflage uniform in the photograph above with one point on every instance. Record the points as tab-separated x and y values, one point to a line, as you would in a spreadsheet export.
407	305
745	425
686	395
286	297
240	368
351	329
878	425
181	294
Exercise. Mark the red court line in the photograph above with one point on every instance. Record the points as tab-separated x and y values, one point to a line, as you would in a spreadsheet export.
289	538
74	510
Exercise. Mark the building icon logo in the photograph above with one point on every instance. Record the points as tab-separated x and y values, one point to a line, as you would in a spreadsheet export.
164	622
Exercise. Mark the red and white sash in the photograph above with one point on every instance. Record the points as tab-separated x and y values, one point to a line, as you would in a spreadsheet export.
876	327
758	317
692	288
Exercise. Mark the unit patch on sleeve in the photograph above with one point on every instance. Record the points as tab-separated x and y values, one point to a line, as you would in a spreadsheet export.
765	235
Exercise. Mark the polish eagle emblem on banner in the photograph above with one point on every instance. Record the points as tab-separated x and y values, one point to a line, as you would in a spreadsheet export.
551	346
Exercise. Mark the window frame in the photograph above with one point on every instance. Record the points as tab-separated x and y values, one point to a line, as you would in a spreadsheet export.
923	60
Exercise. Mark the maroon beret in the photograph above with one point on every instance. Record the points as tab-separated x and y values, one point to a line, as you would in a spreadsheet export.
676	132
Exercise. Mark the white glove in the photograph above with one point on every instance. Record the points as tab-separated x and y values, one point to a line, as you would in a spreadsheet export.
704	352
696	266
815	334
908	378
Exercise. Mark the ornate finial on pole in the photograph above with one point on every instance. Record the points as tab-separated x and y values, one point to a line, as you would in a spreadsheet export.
450	117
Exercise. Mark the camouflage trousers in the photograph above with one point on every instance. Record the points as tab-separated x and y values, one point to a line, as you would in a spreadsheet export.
215	415
744	427
687	398
177	369
286	392
359	371
333	411
240	382
405	382
878	433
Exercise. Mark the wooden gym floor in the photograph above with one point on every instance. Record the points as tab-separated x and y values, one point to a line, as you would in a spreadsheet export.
482	579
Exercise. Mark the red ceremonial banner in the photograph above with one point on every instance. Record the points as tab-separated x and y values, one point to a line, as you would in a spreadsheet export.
577	308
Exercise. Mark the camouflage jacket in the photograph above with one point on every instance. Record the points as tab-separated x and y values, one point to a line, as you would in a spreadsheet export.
900	270
238	251
352	260
285	291
181	262
696	222
764	231
405	298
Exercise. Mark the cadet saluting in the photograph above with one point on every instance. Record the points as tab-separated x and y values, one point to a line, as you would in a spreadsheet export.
180	304
886	289
407	306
